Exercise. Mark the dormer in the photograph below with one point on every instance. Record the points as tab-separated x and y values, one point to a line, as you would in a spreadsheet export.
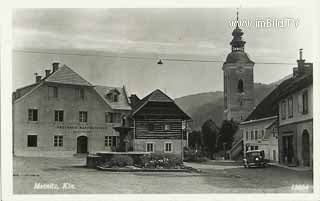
113	95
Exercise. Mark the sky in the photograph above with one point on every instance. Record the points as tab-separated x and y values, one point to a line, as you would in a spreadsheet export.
85	38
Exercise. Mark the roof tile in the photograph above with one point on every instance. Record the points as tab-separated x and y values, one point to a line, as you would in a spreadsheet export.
66	75
121	104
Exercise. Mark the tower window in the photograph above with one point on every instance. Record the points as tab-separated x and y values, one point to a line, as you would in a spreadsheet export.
240	86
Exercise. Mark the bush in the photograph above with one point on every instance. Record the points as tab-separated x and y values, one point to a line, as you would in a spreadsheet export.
159	160
194	155
119	161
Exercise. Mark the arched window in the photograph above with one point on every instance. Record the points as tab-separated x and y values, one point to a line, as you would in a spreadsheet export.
240	86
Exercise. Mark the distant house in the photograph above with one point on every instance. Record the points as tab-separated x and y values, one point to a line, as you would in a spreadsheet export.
292	103
64	114
295	108
261	134
158	124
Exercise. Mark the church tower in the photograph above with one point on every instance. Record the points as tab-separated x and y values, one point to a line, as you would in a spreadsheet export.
238	80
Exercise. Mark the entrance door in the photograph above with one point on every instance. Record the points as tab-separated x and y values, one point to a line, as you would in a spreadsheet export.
82	144
288	151
305	148
274	155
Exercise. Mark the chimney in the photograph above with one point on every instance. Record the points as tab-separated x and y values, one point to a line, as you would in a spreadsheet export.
47	72
295	71
134	99
300	62
300	53
38	78
55	66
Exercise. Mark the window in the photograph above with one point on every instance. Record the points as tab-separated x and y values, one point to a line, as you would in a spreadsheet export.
58	115
33	115
53	91
251	147
240	86
256	147
83	116
110	141
114	97
80	93
167	147
32	141
274	132
167	127
262	134
58	141
305	102
252	135
247	135
256	135
150	127
150	147
290	107
112	117
283	110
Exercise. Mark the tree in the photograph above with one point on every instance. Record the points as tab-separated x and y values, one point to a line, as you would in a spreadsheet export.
209	136
227	131
194	139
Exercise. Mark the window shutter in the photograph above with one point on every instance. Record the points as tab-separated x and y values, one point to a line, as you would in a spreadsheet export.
108	117
300	103
114	141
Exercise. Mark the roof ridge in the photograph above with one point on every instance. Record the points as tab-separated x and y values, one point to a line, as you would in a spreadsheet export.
147	98
81	80
108	86
159	90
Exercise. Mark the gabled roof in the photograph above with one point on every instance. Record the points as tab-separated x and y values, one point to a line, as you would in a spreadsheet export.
113	90
269	105
23	90
273	118
157	96
121	104
65	75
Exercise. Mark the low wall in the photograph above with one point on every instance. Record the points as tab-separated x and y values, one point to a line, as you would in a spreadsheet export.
101	157
45	153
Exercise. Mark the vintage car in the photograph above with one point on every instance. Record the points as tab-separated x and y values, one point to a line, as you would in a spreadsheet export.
254	158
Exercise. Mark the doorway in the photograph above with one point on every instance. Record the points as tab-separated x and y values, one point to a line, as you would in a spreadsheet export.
306	148
82	144
288	150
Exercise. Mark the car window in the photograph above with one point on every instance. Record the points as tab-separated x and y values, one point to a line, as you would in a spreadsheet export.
255	154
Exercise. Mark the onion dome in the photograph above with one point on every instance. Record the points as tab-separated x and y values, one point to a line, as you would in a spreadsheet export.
238	54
